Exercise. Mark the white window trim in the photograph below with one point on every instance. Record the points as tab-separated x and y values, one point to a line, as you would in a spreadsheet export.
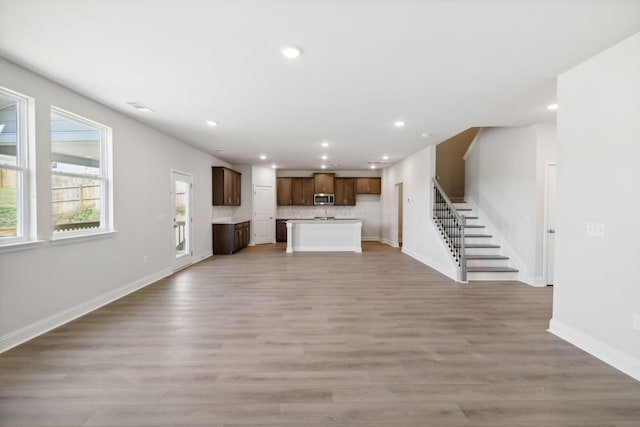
26	184
106	176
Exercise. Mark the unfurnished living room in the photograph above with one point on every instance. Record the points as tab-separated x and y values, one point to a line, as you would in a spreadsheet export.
319	213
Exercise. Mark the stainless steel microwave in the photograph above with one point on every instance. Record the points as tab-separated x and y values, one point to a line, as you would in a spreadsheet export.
323	199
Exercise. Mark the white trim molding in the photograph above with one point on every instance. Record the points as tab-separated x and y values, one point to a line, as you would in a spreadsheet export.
619	360
40	327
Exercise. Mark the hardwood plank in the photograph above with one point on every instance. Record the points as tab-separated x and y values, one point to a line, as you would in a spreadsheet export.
325	339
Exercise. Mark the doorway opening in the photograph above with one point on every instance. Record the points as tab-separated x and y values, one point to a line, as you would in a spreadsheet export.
550	223
181	212
399	198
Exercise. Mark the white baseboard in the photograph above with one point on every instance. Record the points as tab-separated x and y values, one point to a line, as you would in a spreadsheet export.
202	256
390	243
370	238
436	266
619	360
40	327
538	282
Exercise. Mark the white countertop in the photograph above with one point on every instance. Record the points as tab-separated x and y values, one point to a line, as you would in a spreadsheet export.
324	221
229	221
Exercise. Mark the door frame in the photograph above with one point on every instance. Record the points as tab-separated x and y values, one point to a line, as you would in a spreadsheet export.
545	237
185	260
399	210
272	220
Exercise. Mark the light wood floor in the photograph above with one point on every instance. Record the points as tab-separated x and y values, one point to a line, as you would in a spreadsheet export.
266	338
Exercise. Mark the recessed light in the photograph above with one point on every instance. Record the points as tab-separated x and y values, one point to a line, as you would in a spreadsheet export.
385	157
323	166
273	166
372	167
325	144
263	157
291	52
425	135
324	157
212	123
399	124
552	107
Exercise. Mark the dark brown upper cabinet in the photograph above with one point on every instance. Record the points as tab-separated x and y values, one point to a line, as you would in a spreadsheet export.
368	185
226	185
302	191
283	189
323	183
345	191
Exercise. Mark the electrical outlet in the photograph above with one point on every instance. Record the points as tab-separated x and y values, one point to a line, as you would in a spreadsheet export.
636	322
595	229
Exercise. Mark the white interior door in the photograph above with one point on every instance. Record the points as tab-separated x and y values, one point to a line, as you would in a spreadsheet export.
550	204
182	219
263	214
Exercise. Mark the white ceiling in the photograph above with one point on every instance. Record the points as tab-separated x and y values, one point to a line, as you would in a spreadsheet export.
442	66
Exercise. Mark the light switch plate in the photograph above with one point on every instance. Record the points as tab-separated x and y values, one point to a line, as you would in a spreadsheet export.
595	229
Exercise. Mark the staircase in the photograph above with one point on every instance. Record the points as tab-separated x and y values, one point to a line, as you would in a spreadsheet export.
483	258
472	248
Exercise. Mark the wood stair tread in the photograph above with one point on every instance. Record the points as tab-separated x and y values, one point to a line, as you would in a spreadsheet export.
491	270
472	235
479	246
469	217
469	226
473	256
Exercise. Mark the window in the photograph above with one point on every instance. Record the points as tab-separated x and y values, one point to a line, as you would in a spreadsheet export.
15	179
80	175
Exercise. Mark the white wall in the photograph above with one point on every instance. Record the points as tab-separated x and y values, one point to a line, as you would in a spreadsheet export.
420	237
41	288
597	291
505	180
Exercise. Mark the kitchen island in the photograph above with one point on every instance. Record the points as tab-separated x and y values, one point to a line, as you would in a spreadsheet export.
324	235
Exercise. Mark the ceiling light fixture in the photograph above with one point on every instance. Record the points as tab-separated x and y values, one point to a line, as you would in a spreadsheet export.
212	123
325	144
324	157
263	157
323	166
399	124
425	135
552	107
372	167
273	166
291	52
385	157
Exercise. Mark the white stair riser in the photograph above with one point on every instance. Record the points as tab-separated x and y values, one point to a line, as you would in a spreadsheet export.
482	251
487	263
477	240
487	276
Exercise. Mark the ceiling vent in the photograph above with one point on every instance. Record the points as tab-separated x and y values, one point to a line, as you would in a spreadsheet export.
139	106
378	162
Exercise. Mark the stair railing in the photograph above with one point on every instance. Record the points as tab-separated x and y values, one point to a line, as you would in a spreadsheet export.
451	226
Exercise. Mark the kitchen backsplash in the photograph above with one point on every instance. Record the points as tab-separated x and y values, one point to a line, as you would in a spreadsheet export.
302	212
219	213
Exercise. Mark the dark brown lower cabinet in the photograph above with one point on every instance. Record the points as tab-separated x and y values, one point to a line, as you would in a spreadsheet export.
230	238
281	230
